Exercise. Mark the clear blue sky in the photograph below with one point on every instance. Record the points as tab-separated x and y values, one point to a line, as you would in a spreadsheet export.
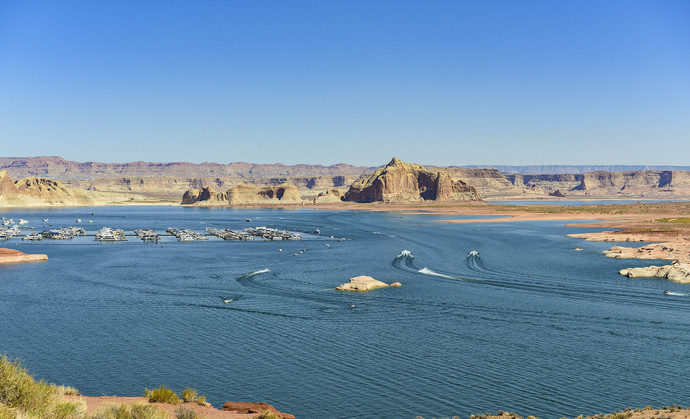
429	81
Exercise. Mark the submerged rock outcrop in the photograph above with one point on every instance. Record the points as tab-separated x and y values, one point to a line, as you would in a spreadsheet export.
364	283
399	182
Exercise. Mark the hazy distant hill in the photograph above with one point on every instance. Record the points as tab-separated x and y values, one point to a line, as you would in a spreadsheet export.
58	168
570	169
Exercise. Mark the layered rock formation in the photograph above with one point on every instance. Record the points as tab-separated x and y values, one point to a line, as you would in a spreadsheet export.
38	192
7	187
643	183
399	182
330	196
242	195
167	181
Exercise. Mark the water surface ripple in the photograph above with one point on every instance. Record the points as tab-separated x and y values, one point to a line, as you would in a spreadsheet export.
527	325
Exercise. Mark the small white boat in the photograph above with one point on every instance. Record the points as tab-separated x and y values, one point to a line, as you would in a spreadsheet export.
473	253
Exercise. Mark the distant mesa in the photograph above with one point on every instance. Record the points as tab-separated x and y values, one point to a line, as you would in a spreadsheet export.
557	193
401	182
105	183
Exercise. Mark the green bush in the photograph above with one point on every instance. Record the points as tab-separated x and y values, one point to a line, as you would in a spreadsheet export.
6	412
21	396
129	411
19	390
184	413
189	394
268	415
162	394
61	390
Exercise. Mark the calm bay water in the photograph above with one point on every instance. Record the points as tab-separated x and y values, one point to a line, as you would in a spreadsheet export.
529	326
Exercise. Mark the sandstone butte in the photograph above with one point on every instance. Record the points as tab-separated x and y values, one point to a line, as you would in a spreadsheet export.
364	283
399	182
15	256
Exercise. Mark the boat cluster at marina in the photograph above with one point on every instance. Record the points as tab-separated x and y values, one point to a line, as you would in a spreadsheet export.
250	233
59	234
107	234
147	235
272	233
7	233
227	234
186	235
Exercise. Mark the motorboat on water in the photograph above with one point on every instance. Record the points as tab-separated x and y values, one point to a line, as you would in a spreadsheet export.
473	253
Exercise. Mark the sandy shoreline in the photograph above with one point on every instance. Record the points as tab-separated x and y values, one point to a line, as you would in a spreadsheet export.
15	256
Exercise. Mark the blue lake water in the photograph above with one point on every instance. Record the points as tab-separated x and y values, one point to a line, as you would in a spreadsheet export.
529	326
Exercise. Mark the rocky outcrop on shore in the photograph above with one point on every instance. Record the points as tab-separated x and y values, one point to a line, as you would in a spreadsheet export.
677	250
242	195
15	256
676	272
364	283
400	182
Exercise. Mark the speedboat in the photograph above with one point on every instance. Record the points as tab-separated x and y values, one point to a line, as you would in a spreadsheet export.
473	253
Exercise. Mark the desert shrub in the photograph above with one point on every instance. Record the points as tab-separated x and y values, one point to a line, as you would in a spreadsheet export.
268	415
67	410
6	412
189	394
184	413
62	390
162	394
129	411
19	390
